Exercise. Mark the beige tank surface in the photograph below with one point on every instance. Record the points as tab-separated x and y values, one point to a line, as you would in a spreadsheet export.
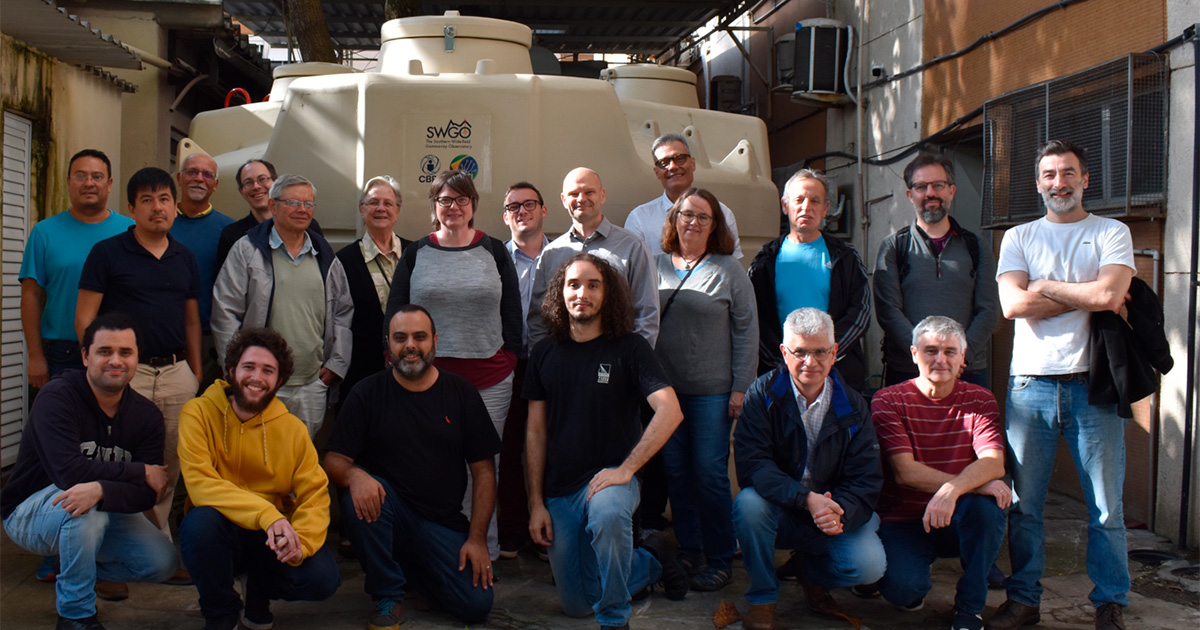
458	92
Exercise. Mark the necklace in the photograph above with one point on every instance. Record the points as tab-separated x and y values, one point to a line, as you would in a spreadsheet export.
689	264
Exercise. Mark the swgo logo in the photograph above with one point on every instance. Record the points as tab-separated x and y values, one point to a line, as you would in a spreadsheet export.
451	130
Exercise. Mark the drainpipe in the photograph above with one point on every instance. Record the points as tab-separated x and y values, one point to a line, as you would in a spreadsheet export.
1152	460
1189	417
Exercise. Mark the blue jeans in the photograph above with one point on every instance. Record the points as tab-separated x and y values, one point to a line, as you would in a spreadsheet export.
400	549
852	557
215	549
974	536
697	463
592	557
1038	410
94	545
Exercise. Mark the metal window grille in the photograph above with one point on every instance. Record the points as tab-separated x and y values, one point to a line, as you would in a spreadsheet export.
1115	111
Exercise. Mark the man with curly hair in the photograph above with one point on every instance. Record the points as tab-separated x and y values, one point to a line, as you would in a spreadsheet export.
585	443
258	498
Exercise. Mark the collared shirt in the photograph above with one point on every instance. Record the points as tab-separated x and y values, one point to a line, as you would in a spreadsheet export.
619	247
181	213
384	264
276	242
647	222
526	271
813	416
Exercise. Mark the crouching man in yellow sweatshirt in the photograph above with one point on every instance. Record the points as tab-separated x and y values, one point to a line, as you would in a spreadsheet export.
258	499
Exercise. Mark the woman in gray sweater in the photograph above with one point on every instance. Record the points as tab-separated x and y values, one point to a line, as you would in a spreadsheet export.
708	343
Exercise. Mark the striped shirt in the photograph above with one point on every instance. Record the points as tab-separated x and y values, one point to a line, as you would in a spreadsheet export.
946	435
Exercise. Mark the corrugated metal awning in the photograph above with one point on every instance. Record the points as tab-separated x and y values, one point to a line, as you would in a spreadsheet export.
53	31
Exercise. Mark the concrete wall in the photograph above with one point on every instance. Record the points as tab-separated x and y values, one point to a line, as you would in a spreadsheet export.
71	109
1177	254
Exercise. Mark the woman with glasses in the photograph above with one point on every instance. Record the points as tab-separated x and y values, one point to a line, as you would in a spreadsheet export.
370	263
467	282
708	343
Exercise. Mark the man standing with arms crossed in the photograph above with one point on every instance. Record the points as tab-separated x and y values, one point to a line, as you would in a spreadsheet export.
1053	273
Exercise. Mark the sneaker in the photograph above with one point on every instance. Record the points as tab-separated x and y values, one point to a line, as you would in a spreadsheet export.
87	623
543	553
913	606
865	591
47	571
510	550
964	621
387	616
674	579
1110	617
228	622
260	619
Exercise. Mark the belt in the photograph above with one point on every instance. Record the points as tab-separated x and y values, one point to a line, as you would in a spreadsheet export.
1064	377
170	359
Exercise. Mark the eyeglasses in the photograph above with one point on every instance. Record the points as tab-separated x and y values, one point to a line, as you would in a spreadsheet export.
263	180
801	354
529	205
296	203
386	203
679	160
938	186
687	216
96	178
193	173
446	202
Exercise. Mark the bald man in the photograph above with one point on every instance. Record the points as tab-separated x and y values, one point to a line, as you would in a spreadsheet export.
583	197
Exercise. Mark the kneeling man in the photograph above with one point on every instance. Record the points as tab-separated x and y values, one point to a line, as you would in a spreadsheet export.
91	461
404	441
942	495
584	443
808	465
258	498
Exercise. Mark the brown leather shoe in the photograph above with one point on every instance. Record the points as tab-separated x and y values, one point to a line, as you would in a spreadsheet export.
112	591
759	617
1110	617
1012	615
820	601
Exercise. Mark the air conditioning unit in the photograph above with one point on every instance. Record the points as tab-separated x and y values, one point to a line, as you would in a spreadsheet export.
821	52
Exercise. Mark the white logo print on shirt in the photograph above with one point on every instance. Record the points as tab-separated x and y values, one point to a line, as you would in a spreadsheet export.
603	374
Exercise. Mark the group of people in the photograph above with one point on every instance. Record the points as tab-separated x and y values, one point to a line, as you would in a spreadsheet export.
490	393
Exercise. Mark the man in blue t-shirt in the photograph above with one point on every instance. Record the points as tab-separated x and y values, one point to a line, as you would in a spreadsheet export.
198	227
54	255
805	268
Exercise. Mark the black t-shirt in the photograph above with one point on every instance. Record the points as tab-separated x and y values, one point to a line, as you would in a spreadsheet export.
419	442
153	291
594	393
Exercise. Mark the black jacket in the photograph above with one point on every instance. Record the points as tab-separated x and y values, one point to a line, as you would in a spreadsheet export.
849	306
370	352
69	440
1126	355
770	450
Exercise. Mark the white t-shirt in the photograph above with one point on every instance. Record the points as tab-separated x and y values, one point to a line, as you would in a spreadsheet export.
1064	252
647	222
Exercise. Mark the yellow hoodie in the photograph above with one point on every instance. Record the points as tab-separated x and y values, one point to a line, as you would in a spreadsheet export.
254	472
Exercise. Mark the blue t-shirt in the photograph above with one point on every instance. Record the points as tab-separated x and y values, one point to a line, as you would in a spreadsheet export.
54	255
802	273
201	235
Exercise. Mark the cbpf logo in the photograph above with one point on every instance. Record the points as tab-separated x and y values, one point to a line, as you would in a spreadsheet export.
466	164
429	168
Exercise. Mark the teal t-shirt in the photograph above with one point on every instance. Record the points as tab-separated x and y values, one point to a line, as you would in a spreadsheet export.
54	255
802	272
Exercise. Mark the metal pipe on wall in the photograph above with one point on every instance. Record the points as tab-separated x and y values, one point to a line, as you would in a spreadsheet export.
1152	459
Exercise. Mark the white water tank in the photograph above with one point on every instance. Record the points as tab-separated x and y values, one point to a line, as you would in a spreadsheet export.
667	85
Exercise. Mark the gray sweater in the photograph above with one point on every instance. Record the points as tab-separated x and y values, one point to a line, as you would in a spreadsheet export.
708	339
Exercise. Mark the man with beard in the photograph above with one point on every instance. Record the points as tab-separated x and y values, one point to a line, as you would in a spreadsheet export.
934	267
198	227
585	443
399	445
1053	273
257	496
91	461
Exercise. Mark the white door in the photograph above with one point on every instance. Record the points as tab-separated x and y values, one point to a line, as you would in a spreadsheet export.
13	382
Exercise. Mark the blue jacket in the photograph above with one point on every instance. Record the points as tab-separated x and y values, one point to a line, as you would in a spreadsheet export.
771	449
